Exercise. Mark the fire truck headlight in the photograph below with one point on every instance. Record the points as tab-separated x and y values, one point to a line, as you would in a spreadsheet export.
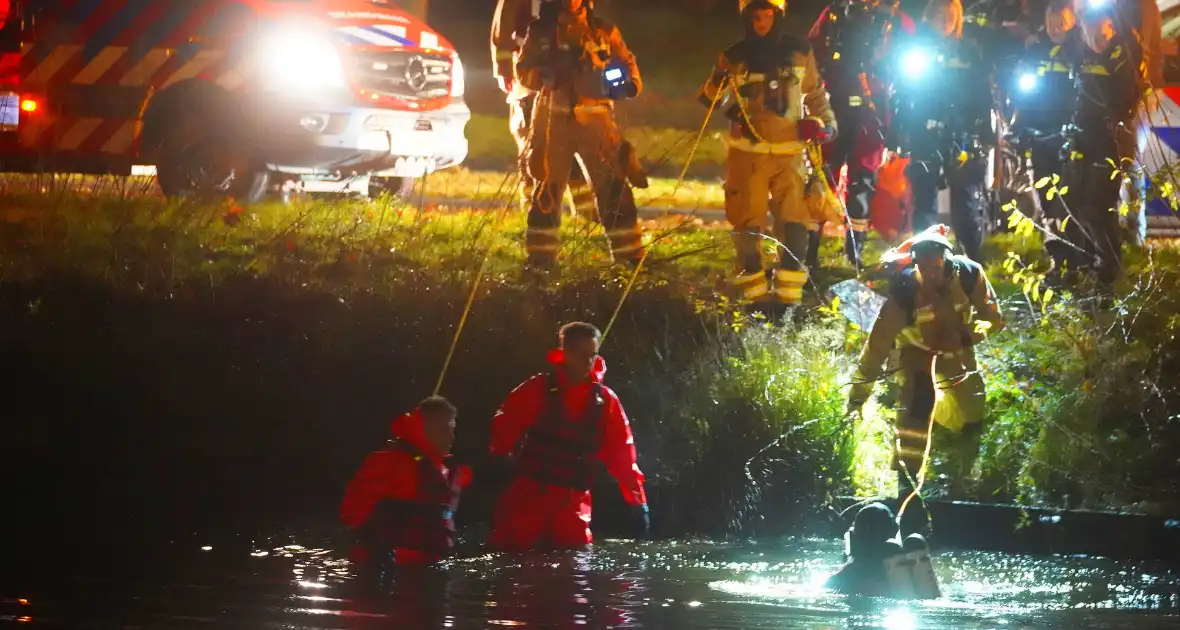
299	59
1027	82
915	63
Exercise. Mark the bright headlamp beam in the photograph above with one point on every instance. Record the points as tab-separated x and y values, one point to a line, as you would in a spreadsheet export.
292	57
915	63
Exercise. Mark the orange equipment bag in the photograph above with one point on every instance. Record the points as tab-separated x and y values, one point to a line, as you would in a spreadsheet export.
891	208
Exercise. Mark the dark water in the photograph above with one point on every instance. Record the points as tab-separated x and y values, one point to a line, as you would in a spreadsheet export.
689	585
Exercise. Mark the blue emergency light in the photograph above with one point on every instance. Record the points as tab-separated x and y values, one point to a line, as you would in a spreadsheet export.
916	62
1027	82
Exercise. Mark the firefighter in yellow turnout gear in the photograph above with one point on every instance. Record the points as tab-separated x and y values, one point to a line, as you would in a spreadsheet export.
579	66
776	105
938	308
510	24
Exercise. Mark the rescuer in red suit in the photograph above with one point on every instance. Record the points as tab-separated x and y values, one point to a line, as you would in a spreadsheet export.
9	61
850	39
557	428
402	500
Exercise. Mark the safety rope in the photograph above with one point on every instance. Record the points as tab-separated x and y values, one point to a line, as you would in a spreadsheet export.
623	298
701	133
487	257
463	319
916	486
679	181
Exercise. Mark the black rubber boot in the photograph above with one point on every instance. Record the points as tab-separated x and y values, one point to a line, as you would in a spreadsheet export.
854	249
812	258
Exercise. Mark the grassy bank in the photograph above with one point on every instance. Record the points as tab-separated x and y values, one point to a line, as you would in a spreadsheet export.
1082	393
494	189
210	330
662	149
265	349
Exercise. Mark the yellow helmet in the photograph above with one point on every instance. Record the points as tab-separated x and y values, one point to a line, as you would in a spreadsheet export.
781	5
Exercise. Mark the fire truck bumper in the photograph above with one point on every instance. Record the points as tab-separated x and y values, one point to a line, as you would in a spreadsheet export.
395	143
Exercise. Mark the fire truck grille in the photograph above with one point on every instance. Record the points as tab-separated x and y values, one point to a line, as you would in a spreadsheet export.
402	74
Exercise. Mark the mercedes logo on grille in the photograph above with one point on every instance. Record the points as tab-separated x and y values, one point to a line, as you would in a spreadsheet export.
416	74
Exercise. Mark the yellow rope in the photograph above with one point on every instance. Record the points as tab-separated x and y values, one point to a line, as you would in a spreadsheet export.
700	133
623	298
487	257
463	319
916	488
679	181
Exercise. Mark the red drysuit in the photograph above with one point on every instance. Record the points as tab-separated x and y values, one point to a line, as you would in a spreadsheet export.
557	433
403	497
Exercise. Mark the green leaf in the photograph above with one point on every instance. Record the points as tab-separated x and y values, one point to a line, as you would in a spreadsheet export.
1056	178
1047	296
1042	182
1065	222
1052	192
1029	228
1013	219
1064	189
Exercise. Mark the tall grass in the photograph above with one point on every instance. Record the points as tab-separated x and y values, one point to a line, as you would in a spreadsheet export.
740	425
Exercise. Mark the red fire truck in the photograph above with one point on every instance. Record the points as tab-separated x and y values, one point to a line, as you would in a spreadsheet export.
228	96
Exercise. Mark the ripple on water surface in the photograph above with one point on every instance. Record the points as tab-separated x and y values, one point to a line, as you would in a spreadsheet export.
683	586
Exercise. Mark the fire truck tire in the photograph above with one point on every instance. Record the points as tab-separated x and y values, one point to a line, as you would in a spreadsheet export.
398	187
200	149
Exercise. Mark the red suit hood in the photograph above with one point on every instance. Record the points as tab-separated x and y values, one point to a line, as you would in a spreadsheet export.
557	358
408	428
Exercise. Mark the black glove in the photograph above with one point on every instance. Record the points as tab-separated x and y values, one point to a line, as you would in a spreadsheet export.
622	91
640	521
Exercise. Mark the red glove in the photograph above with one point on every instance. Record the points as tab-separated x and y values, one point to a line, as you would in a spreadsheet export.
464	476
813	130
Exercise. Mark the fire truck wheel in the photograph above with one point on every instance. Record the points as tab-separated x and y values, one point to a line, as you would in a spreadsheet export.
398	187
200	154
185	169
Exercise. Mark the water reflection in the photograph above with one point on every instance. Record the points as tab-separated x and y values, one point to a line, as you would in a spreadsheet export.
621	585
413	597
686	585
562	591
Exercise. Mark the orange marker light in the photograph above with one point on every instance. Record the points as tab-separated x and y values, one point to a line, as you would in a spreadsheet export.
28	105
